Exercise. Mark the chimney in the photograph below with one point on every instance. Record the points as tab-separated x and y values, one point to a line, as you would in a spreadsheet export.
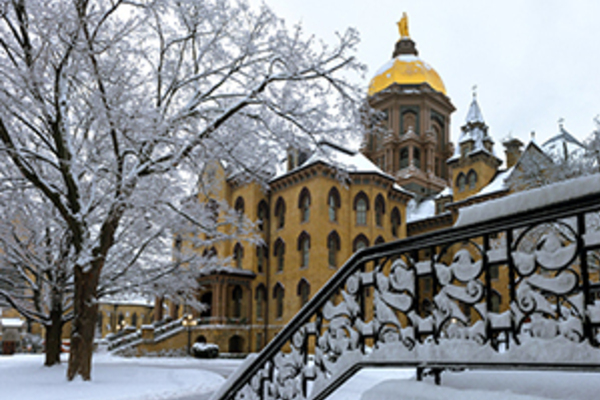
512	149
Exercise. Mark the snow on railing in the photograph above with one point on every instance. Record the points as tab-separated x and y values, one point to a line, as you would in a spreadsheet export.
161	331
520	291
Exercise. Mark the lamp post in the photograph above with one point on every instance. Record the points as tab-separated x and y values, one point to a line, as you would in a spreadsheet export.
188	322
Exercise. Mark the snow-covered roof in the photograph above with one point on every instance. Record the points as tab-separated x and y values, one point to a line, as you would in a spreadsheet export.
339	157
474	114
446	192
131	299
563	142
498	184
417	211
474	130
11	322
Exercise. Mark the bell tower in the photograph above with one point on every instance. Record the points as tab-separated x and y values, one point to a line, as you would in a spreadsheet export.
474	163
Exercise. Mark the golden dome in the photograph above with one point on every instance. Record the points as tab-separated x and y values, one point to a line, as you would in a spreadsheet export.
406	69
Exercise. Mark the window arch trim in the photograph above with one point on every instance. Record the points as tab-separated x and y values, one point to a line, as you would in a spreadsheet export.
360	238
361	195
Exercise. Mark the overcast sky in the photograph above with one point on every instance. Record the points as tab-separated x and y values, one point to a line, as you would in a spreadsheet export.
533	61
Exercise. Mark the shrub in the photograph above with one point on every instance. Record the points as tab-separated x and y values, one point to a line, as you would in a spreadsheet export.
205	350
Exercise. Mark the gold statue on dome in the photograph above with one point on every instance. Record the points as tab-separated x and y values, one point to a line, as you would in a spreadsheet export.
403	26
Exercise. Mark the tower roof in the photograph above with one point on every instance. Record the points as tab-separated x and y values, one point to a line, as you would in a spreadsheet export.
405	68
563	144
474	114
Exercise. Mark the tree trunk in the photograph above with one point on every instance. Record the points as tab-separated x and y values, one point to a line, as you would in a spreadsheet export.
85	307
53	338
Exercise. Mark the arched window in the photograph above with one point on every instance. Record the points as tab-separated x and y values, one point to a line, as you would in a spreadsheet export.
134	319
304	248
238	255
379	240
280	212
396	221
472	179
379	210
261	295
304	205
303	291
206	300
361	206
333	247
278	295
237	296
417	157
333	203
360	242
279	253
239	209
403	157
461	182
121	321
263	215
261	257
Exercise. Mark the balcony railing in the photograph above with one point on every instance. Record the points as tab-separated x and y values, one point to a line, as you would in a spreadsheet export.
517	291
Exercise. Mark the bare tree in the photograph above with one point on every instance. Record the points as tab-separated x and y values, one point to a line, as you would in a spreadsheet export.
105	103
35	277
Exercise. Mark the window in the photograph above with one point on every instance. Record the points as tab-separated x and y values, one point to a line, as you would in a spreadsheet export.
461	182
333	247
134	319
260	301
379	240
263	215
279	253
333	203
237	297
360	242
261	257
239	209
395	220
361	205
303	291
206	300
280	212
379	210
278	295
472	179
403	157
304	248
259	341
304	205
417	157
238	255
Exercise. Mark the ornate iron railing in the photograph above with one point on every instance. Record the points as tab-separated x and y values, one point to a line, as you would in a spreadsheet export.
518	291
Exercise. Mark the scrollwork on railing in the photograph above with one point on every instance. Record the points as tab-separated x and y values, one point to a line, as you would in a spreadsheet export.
495	293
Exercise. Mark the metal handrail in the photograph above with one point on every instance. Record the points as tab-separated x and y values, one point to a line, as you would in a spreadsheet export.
309	321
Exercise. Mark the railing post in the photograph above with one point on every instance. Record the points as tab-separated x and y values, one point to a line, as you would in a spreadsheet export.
488	288
585	277
512	290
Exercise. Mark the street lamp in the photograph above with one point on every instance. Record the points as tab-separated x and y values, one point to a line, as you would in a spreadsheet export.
188	322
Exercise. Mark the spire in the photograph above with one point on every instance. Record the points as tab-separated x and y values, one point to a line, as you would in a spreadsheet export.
474	114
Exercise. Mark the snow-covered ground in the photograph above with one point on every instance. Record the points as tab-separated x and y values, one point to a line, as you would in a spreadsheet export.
396	383
23	377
